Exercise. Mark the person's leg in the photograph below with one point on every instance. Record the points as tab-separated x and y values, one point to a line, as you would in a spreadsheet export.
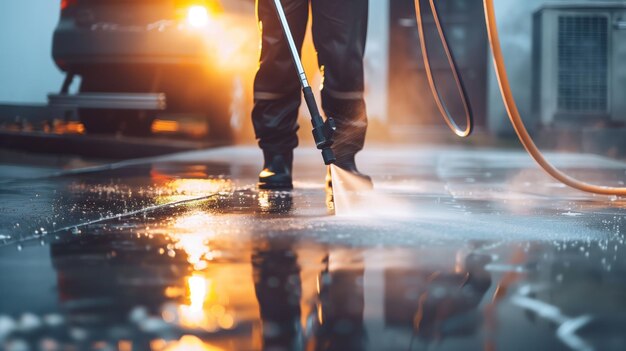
278	289
277	91
339	34
342	297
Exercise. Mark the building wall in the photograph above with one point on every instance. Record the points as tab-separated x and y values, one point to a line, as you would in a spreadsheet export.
377	60
411	102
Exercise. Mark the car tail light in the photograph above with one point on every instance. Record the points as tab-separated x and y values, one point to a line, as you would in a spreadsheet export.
65	4
197	16
197	13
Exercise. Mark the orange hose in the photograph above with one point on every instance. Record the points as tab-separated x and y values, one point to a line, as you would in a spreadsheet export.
516	120
469	119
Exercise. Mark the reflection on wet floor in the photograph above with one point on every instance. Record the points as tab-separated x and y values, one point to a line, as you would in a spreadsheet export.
189	256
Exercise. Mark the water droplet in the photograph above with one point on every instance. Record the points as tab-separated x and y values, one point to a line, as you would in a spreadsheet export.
138	314
29	322
78	333
7	325
153	325
53	320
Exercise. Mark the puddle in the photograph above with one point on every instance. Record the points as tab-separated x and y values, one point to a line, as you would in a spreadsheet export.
192	279
184	255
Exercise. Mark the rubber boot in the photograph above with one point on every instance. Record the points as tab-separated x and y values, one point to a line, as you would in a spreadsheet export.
276	173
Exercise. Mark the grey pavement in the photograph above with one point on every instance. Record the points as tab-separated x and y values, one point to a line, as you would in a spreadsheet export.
454	250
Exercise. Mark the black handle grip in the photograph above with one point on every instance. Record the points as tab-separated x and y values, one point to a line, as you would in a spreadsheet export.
322	131
309	98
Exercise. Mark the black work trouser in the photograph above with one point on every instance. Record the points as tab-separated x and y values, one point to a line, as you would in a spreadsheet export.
339	32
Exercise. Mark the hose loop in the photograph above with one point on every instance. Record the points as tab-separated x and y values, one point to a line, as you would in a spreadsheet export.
443	109
507	97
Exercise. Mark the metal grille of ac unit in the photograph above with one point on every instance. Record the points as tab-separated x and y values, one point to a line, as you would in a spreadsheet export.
583	63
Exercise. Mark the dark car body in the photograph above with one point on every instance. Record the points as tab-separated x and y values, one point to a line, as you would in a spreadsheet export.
93	32
148	46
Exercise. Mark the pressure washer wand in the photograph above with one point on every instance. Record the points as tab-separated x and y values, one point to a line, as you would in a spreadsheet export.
322	131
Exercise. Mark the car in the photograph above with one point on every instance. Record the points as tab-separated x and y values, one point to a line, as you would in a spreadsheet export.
130	49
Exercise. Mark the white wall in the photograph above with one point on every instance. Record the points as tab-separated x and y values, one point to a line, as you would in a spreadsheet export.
377	60
27	72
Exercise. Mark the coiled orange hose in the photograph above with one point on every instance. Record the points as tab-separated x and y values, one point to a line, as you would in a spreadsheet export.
447	117
516	119
509	101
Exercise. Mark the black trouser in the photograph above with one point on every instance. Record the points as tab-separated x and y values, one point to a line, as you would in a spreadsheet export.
339	32
278	290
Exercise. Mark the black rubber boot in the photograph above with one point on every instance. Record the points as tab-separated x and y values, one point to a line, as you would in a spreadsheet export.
276	173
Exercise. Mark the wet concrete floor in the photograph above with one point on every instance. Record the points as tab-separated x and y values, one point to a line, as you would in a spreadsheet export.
454	250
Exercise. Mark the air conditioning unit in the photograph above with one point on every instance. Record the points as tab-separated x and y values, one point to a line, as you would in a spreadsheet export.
579	61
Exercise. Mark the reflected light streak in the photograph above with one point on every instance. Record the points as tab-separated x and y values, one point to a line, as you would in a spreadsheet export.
264	200
320	314
160	126
193	315
204	310
71	127
189	188
197	291
205	307
197	187
191	343
191	234
459	262
190	126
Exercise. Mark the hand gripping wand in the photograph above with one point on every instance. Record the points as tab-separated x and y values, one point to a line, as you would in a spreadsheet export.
322	130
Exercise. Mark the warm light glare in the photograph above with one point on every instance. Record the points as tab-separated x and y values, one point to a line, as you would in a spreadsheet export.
67	3
197	292
189	188
191	343
198	16
197	187
203	310
160	126
192	127
264	200
265	173
192	235
70	127
193	315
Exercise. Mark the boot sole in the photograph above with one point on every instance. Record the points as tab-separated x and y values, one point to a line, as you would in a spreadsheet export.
275	186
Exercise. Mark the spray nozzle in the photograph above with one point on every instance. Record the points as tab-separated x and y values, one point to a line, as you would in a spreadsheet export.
323	135
323	131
